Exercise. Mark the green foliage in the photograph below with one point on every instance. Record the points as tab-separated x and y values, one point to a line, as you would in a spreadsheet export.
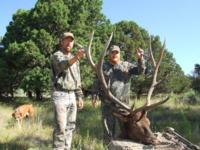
33	35
36	79
24	54
197	69
170	73
51	15
84	16
195	78
129	36
196	84
189	98
5	86
20	58
176	81
44	41
18	28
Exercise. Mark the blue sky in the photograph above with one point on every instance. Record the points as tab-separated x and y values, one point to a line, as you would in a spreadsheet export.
177	21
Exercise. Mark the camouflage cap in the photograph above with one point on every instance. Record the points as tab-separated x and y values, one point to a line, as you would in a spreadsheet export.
68	34
114	48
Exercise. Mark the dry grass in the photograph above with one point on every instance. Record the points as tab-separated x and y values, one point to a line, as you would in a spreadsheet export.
39	135
88	135
12	137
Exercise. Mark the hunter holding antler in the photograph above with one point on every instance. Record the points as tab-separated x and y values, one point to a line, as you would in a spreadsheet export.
117	75
66	91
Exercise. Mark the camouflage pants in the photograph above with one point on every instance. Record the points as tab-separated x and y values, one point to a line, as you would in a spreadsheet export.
65	118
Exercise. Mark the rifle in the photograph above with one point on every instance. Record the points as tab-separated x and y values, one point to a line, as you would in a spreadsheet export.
182	139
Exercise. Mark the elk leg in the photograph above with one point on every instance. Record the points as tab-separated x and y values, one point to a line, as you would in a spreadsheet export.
19	122
27	121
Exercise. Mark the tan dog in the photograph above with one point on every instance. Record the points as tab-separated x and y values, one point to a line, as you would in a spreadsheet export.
22	112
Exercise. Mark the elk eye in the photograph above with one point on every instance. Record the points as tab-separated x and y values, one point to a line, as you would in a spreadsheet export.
145	130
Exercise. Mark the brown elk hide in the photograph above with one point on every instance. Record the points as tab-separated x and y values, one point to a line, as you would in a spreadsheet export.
137	128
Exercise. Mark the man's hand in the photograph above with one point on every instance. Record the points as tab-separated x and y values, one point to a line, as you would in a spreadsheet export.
80	104
139	53
80	53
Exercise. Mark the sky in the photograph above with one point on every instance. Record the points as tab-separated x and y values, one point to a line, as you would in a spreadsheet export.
177	21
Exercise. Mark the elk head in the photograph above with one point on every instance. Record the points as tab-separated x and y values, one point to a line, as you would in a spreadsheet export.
136	122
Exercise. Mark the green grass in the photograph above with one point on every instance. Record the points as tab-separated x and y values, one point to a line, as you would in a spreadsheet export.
39	136
88	135
184	119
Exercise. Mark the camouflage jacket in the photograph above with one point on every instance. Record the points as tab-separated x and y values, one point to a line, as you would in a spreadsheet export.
65	77
118	79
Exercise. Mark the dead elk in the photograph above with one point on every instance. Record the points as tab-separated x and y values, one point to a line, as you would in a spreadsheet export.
137	126
136	122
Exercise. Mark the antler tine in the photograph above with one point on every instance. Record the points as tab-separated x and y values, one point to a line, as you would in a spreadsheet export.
161	55
99	71
155	73
146	108
88	52
102	78
151	53
100	63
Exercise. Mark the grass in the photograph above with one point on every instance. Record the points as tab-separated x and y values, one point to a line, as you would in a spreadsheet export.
184	119
39	136
88	135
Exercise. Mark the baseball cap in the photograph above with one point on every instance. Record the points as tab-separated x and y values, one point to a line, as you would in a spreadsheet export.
68	34
115	48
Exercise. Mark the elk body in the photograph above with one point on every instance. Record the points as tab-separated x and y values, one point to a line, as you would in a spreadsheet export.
137	125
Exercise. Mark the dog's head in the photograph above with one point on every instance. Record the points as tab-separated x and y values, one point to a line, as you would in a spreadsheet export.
17	114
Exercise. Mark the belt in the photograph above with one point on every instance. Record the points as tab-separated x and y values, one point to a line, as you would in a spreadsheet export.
65	90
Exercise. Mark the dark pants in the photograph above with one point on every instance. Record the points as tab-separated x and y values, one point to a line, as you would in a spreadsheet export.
112	127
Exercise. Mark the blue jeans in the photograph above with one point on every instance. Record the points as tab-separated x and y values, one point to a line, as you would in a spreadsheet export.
65	110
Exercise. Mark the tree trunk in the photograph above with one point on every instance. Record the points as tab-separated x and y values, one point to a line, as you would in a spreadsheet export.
30	94
39	95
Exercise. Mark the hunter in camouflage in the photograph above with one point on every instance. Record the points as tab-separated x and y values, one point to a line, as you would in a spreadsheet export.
117	74
66	89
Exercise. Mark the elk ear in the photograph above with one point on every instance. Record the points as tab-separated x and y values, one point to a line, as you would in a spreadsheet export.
142	114
121	117
133	106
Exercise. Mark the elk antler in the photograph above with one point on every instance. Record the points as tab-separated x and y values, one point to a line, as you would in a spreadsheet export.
136	122
156	66
98	68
